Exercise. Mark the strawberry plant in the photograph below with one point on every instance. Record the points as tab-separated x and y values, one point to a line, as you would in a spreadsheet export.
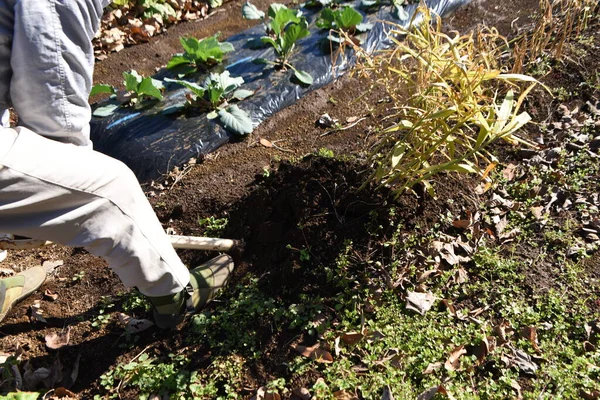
346	20
215	95
198	54
284	27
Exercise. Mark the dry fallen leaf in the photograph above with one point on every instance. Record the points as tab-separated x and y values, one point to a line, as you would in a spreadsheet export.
344	395
133	325
523	361
509	172
428	394
266	142
515	385
593	395
58	340
453	362
432	367
315	353
352	337
419	302
461	223
530	333
48	294
263	394
301	394
62	392
485	347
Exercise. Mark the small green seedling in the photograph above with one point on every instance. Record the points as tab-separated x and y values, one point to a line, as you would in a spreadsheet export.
101	88
198	55
346	20
398	5
140	92
284	27
320	3
140	88
215	96
153	7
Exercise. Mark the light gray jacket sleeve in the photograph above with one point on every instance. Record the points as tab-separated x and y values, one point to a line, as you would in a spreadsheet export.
51	61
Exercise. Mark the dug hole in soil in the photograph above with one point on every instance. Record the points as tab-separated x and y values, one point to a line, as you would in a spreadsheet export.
270	203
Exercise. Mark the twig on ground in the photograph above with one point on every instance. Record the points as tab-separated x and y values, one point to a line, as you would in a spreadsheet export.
343	128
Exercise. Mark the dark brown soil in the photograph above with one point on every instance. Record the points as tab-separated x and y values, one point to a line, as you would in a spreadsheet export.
312	203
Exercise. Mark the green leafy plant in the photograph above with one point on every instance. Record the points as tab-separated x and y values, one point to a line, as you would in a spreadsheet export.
284	27
346	20
198	54
142	88
213	226
160	7
102	89
398	6
215	95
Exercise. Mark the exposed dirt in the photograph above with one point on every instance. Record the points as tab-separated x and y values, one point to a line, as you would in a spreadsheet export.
269	203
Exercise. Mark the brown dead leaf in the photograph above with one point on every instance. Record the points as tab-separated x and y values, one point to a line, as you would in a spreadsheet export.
538	212
515	385
445	392
588	347
315	353
352	337
49	295
58	340
453	362
509	172
133	325
344	395
592	395
263	394
62	392
503	330
432	367
485	347
419	302
351	119
301	394
425	275
266	142
461	223
530	333
461	276
500	224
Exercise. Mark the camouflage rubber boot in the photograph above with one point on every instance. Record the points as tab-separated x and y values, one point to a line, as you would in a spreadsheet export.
205	282
16	288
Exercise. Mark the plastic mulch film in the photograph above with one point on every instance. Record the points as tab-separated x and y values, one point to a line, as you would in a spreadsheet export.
151	142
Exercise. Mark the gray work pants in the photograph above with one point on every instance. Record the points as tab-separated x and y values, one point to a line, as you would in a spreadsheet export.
60	189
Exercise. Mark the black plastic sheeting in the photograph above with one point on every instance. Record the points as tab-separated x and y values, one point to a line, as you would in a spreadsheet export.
151	142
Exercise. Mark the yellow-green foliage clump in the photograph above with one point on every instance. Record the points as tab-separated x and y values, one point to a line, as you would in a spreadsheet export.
451	100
